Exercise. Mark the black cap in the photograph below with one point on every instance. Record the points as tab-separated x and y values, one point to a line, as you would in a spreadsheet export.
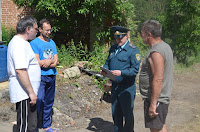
118	30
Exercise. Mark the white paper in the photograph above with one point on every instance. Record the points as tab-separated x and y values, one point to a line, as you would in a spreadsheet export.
108	73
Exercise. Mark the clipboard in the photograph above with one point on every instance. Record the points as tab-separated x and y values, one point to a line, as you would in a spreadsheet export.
108	73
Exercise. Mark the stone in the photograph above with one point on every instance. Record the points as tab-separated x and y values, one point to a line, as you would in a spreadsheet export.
72	72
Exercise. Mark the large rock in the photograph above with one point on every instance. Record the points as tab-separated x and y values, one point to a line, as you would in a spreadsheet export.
71	72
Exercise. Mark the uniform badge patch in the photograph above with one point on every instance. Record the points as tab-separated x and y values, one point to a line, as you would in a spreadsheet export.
138	57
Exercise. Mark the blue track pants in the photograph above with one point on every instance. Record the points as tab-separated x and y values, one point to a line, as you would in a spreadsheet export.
45	100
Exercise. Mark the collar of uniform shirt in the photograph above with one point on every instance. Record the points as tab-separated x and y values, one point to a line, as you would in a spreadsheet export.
119	48
124	44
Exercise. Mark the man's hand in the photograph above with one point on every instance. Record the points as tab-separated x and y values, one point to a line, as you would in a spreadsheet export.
47	63
33	98
116	72
152	110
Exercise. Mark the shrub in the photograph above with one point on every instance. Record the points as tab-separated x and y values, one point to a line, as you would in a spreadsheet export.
65	58
78	51
97	57
7	34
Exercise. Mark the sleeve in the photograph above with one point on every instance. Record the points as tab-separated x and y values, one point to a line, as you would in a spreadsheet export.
20	57
106	63
54	47
134	64
33	44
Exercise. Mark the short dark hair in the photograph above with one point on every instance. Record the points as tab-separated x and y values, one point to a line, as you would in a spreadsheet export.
152	26
42	22
25	22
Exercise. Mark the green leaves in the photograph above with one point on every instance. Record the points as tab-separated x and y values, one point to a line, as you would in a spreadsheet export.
84	21
182	26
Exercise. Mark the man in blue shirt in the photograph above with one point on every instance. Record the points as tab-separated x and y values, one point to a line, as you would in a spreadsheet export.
123	62
46	54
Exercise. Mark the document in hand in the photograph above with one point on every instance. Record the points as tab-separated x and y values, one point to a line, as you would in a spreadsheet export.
108	73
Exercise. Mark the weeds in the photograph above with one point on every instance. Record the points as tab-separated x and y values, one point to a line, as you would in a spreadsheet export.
7	34
70	96
65	58
77	85
79	51
97	57
68	56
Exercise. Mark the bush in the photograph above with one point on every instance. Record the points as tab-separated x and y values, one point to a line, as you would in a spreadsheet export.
68	56
97	57
143	48
65	58
78	51
7	34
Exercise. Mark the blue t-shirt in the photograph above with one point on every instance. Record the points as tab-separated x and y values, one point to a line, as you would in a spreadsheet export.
45	50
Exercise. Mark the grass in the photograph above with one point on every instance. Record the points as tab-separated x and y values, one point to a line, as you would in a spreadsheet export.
180	68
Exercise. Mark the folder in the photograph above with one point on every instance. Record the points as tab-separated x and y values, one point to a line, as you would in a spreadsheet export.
108	73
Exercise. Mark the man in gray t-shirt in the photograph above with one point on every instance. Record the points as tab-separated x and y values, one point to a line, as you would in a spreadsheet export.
156	77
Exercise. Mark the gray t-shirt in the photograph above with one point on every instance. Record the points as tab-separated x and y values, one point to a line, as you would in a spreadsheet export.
146	76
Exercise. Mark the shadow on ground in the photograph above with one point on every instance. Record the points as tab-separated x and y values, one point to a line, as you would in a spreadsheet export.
106	97
100	125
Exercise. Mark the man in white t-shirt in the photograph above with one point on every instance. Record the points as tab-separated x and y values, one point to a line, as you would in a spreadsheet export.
24	74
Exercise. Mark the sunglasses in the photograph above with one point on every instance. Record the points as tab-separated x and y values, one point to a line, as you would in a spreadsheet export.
119	36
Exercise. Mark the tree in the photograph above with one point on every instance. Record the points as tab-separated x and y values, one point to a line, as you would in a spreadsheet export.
148	9
145	10
75	19
181	26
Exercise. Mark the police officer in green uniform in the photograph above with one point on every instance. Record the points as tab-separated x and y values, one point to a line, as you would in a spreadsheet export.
123	62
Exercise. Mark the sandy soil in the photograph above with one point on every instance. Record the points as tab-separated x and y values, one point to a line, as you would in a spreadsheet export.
78	107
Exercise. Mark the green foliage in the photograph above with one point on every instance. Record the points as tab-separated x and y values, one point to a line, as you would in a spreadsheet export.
148	9
78	51
7	34
145	10
68	56
77	85
65	58
97	57
99	82
182	25
76	19
71	96
143	48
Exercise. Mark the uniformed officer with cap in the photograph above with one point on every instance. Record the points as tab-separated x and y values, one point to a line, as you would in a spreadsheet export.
123	62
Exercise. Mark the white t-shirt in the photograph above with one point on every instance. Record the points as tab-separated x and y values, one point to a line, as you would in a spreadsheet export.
21	56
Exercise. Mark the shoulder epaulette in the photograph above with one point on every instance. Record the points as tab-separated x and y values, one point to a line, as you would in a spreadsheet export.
132	46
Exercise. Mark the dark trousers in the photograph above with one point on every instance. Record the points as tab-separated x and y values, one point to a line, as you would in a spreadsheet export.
26	116
122	108
45	100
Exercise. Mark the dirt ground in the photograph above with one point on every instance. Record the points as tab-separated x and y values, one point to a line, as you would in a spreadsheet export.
79	106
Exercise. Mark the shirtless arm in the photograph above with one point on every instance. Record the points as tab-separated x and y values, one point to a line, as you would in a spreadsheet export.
157	66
